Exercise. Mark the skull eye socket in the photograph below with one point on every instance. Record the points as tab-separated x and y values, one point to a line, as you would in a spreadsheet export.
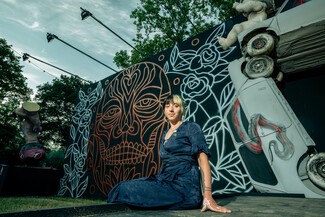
146	105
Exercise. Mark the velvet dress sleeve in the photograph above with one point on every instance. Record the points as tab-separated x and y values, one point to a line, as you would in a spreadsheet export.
197	140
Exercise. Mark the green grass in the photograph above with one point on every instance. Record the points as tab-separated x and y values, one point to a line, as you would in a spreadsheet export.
15	204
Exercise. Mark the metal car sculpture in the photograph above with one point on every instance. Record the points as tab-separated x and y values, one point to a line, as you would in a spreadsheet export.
276	150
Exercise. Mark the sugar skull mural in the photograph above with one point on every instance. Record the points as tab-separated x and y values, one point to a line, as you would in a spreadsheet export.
128	123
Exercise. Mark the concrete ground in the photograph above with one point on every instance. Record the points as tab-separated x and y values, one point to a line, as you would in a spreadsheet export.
261	206
245	206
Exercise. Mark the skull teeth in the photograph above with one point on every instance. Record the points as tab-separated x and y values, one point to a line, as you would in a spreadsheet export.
126	153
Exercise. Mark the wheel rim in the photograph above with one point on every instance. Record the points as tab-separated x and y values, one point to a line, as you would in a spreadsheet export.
316	169
259	43
320	168
259	67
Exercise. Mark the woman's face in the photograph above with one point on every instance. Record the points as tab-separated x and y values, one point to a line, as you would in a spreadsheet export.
173	112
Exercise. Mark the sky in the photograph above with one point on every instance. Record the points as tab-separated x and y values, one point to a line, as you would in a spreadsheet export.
25	23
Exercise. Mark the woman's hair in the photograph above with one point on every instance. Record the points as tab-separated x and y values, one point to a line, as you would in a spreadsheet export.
174	98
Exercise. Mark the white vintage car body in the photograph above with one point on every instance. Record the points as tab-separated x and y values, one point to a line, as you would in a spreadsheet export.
277	152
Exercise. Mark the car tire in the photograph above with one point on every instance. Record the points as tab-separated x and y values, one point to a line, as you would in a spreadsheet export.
260	66
260	44
316	169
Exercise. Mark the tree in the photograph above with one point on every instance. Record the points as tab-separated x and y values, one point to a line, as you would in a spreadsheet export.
225	9
163	23
13	84
57	100
13	91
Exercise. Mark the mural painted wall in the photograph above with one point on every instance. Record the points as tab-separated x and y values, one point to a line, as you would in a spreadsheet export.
118	122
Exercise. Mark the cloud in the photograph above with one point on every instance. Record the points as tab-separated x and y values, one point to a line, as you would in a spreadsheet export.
24	25
34	25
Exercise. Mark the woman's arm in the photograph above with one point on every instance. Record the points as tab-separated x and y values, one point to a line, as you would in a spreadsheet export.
208	201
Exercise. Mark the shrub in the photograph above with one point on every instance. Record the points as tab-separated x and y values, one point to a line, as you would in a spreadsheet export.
55	159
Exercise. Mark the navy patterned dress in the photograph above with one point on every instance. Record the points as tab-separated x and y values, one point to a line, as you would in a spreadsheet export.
177	184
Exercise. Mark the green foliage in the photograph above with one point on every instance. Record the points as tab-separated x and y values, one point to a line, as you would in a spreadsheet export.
13	84
225	9
57	100
13	91
55	159
163	23
122	59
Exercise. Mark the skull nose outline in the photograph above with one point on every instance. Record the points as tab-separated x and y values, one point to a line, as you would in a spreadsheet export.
126	123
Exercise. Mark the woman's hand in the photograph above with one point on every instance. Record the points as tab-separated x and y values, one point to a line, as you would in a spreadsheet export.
210	204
